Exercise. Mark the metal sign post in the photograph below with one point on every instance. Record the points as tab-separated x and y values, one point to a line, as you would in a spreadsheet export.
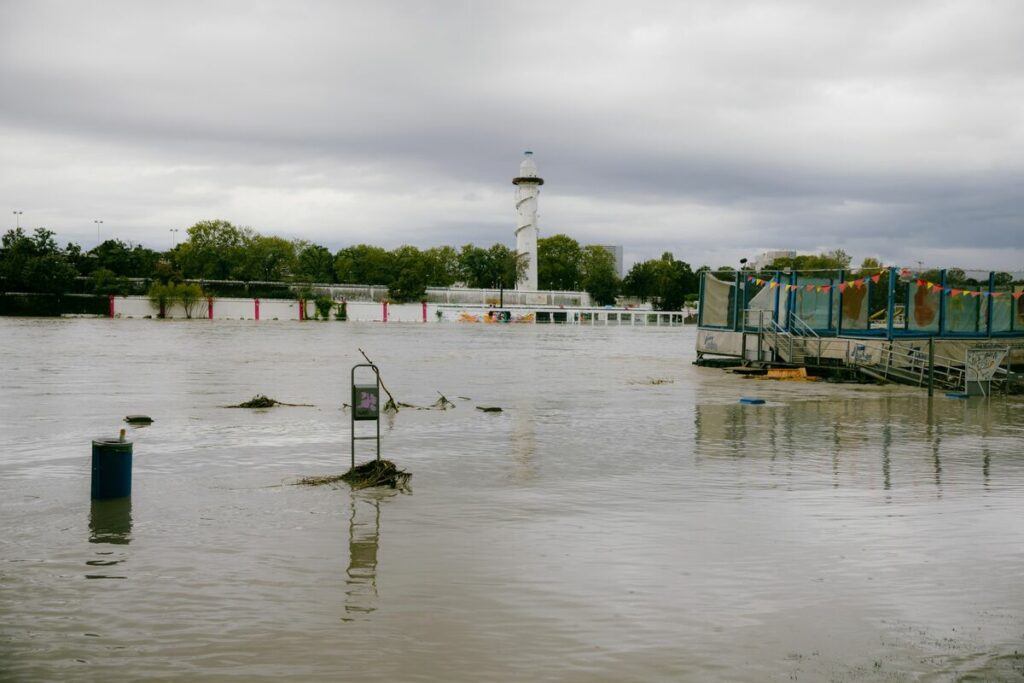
365	406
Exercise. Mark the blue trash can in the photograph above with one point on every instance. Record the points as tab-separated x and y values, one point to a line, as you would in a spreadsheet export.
111	468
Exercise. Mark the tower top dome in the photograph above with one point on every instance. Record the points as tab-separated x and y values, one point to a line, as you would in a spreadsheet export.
528	168
528	171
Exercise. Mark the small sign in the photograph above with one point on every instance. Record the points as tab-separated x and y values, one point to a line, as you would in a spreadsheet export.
983	361
365	402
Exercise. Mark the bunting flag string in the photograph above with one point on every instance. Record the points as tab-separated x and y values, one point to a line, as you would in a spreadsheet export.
876	278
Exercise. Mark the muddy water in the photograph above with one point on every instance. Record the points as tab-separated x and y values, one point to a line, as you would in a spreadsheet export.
607	526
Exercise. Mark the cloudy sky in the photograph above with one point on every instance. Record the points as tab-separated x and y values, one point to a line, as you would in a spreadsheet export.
714	129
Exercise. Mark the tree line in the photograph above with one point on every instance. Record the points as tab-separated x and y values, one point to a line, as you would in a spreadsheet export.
218	250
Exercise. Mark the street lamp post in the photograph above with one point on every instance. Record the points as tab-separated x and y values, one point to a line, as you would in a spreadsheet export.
98	224
174	237
17	218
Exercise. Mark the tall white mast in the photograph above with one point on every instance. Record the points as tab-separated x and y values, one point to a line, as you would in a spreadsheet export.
527	188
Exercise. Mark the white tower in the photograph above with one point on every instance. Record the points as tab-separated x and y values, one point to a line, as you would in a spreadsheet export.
527	188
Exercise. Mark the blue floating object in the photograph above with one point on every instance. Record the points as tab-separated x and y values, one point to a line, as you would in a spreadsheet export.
752	401
956	394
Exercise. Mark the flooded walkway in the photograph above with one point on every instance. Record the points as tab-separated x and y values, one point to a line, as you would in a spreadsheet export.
623	518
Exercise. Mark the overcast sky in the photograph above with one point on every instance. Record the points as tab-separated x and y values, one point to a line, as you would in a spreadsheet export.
714	130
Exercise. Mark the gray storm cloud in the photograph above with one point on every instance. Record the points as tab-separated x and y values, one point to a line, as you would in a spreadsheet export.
712	130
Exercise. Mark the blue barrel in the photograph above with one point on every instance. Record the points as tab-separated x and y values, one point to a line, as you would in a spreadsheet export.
111	468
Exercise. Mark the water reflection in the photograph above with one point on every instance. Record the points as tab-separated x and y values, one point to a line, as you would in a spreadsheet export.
524	443
363	544
911	439
110	522
886	456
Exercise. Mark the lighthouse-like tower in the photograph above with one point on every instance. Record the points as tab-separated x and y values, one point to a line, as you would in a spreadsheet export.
527	188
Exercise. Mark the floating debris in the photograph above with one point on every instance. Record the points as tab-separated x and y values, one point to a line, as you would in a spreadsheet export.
789	375
367	475
376	473
320	481
654	381
442	403
138	419
489	409
261	401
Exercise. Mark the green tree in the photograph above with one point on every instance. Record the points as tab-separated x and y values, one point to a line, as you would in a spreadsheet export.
268	259
559	263
837	259
363	264
442	265
676	281
665	281
162	296
409	281
641	281
214	250
497	266
189	294
598	275
34	264
475	267
107	282
314	263
507	265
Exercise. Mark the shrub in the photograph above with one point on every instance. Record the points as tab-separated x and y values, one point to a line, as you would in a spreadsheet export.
323	307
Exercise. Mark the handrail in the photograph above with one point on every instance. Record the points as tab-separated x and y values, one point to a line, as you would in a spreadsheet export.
804	330
797	322
909	360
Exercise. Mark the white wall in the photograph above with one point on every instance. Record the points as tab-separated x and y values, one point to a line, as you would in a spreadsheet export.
272	309
223	309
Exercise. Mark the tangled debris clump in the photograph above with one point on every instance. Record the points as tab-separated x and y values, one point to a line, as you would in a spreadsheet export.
261	401
320	481
369	474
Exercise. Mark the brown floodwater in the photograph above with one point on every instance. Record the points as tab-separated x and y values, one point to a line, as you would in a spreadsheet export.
623	519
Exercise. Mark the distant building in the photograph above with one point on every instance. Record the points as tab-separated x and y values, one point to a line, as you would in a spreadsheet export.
772	254
616	252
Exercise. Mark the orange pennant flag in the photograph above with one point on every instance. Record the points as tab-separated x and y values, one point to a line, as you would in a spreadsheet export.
842	287
876	277
1016	295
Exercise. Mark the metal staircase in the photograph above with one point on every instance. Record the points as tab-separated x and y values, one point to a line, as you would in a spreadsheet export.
887	363
785	347
881	360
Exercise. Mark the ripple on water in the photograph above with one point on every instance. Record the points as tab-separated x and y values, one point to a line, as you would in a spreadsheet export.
602	527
